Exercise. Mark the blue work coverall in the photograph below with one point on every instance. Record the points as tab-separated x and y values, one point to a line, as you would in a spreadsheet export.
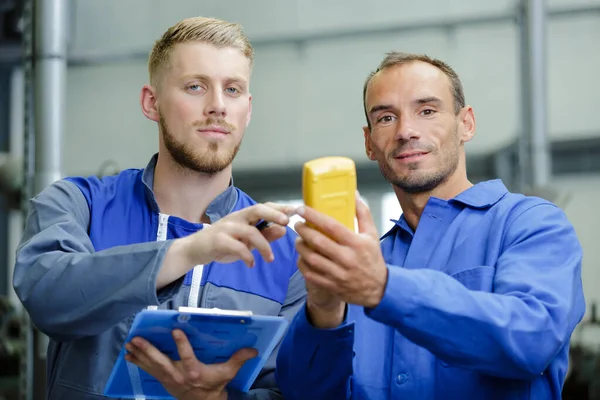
88	261
480	303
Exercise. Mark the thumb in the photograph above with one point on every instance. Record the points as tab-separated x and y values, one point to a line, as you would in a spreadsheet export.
238	359
365	219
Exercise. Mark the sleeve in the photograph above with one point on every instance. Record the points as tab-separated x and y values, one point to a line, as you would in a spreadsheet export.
315	363
68	289
517	330
265	386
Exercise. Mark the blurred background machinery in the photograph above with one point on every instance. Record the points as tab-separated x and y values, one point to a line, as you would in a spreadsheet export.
12	349
583	378
35	39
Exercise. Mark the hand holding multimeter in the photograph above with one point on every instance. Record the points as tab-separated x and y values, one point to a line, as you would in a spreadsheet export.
339	264
233	238
329	187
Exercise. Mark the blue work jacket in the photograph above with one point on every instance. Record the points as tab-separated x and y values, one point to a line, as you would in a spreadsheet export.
480	303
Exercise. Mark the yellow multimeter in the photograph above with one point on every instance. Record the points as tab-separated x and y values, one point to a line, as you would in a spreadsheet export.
329	186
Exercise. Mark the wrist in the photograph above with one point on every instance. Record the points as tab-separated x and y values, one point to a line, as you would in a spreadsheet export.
182	249
216	395
212	394
378	290
177	262
192	251
325	316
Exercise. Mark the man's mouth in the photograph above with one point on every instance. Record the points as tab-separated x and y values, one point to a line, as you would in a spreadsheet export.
214	130
410	155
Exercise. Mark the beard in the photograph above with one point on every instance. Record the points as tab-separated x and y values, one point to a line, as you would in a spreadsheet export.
416	181
214	158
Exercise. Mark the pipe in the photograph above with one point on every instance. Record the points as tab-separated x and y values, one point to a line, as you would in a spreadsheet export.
45	39
16	133
535	158
50	52
26	372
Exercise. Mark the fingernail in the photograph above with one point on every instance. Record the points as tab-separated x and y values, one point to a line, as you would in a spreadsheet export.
300	211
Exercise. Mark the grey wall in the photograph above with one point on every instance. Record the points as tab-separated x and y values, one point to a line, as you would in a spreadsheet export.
582	211
311	61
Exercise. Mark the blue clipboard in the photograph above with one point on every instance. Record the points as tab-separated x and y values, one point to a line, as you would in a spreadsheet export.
214	335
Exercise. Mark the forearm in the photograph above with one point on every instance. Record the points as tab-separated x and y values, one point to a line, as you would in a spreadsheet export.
512	335
325	317
177	262
70	295
315	363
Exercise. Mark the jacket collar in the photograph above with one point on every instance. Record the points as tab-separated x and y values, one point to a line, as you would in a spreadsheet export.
221	206
482	195
479	196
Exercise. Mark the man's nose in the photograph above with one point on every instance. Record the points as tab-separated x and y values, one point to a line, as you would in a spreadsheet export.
216	105
406	130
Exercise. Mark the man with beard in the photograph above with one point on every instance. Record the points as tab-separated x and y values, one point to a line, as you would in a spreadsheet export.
177	233
473	294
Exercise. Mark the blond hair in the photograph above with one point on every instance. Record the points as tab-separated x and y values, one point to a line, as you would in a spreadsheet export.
212	31
397	58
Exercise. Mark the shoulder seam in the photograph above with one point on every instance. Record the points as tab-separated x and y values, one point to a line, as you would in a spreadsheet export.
517	216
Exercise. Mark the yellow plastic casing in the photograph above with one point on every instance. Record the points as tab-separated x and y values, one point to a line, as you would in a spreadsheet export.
329	186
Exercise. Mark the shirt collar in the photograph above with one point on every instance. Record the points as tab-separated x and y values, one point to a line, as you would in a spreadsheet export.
481	195
221	206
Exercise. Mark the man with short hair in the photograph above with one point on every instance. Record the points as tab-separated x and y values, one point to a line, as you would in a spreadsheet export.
473	294
95	252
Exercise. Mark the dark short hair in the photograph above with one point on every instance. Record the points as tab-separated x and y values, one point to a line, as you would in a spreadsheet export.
398	58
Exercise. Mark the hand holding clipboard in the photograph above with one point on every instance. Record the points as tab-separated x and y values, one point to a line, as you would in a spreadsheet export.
214	337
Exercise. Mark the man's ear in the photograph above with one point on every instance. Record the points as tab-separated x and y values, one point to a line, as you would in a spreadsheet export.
467	121
368	143
249	116
149	103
